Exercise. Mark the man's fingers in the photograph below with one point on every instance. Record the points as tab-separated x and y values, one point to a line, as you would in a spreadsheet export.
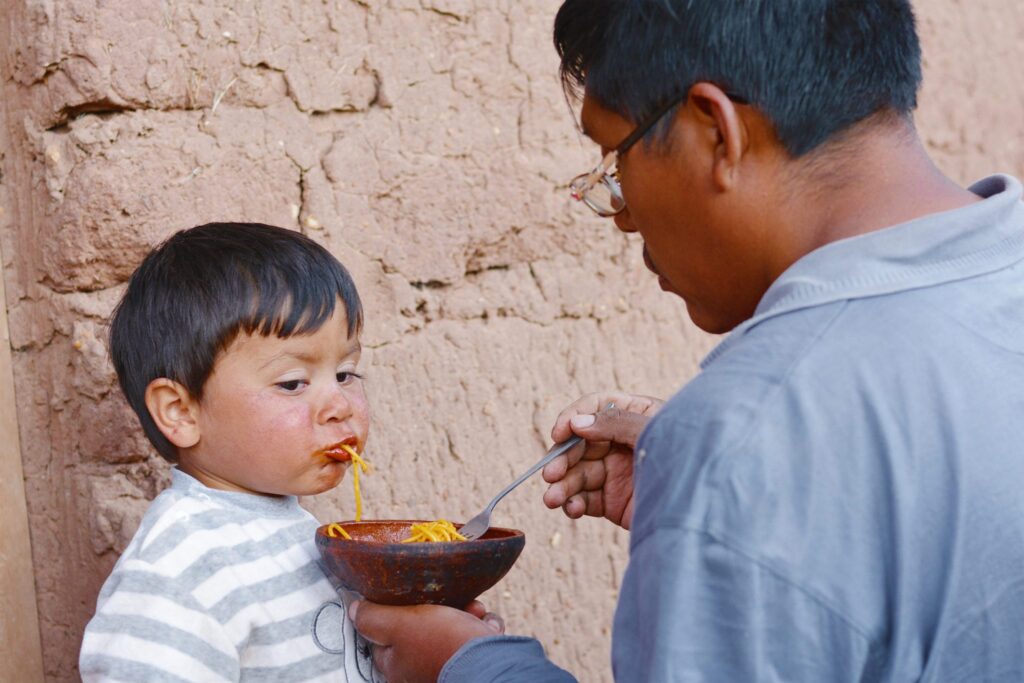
374	621
495	621
591	404
477	609
557	468
616	426
589	503
586	475
382	657
585	405
414	643
575	507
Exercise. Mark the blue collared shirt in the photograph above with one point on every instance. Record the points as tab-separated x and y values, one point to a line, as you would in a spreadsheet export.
839	494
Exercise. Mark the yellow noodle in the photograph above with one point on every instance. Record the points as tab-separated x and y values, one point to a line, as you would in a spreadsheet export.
358	463
440	531
331	529
428	532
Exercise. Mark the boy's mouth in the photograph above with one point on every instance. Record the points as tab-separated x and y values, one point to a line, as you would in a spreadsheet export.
336	452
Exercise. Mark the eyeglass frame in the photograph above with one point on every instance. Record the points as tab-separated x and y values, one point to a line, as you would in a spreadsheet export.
582	184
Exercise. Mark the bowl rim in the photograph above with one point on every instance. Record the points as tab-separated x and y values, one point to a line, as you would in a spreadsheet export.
321	532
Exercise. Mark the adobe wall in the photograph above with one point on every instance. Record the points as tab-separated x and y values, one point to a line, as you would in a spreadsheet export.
427	143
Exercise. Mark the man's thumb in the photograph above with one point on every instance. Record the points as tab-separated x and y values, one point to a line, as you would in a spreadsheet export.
365	617
581	421
618	426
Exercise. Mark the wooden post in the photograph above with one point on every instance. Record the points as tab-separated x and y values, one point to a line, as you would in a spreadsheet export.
21	656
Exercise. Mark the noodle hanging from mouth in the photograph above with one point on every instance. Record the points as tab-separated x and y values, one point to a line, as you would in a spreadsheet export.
441	531
358	463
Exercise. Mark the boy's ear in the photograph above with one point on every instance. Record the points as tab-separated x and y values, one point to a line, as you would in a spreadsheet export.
174	410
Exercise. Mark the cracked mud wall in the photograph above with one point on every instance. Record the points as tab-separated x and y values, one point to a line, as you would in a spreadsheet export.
427	144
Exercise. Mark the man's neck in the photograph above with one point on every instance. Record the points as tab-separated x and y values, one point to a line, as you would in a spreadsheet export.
883	179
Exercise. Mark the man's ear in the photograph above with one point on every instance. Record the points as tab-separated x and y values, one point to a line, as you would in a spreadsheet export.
174	411
720	117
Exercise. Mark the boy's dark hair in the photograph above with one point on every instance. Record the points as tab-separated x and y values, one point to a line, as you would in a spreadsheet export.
813	67
193	294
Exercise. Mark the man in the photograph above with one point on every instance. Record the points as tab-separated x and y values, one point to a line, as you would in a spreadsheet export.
836	496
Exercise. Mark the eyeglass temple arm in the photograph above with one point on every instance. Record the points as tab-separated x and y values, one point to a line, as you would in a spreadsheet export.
642	129
611	157
607	162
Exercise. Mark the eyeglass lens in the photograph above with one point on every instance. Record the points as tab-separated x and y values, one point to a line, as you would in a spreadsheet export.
605	197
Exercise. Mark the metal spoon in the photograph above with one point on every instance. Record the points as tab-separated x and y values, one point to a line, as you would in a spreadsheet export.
476	527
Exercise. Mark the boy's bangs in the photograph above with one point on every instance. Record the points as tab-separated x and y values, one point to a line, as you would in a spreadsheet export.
288	306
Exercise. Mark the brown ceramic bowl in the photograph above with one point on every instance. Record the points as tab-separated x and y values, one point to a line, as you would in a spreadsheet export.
378	566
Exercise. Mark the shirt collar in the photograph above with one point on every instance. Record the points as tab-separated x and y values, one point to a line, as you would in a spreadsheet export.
983	237
267	505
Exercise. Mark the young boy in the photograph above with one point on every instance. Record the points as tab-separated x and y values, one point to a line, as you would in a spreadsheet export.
237	345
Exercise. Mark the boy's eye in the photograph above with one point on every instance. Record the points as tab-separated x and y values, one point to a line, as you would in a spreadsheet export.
291	385
346	377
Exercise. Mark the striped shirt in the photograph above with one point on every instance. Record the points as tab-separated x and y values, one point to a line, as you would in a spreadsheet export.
220	586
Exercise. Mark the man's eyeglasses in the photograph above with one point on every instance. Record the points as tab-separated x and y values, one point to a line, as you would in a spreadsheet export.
600	189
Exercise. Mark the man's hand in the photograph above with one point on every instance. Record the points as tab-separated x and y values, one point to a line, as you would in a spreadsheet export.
412	644
596	477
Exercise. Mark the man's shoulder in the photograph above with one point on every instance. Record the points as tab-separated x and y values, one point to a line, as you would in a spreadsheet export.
786	409
744	377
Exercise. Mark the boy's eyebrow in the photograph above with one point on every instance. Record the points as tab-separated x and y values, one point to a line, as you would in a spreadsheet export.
281	355
307	357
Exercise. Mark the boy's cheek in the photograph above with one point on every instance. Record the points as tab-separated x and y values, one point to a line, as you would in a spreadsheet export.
286	421
360	412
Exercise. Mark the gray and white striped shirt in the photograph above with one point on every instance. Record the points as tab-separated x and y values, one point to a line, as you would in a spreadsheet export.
220	586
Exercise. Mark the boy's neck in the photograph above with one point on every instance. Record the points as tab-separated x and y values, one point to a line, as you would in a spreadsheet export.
211	480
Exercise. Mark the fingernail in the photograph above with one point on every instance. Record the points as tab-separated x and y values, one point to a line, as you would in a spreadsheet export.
582	421
353	609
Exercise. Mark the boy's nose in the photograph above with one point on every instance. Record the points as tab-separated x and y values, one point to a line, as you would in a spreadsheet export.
335	406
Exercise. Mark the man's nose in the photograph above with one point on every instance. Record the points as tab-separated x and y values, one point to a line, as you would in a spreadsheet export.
623	223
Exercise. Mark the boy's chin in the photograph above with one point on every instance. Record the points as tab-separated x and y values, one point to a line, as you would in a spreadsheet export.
325	479
309	490
328	479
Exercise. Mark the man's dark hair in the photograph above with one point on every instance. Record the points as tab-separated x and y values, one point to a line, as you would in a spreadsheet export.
193	294
813	67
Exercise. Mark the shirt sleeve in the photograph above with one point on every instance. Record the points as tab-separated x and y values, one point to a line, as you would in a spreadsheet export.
502	659
146	629
693	609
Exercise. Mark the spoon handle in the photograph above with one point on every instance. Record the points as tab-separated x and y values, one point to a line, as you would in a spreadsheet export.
556	450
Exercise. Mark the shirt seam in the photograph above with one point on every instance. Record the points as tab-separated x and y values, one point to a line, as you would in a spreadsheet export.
777	387
813	595
729	449
1004	245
